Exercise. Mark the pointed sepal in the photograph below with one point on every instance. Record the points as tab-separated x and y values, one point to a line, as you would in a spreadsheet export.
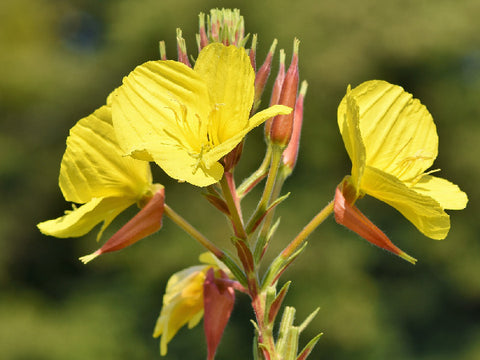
218	300
147	221
351	217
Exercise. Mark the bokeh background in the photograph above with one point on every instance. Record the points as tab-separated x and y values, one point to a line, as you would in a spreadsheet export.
58	62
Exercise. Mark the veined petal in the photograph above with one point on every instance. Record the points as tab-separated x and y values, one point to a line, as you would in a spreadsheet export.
259	118
184	166
349	124
399	134
230	78
447	194
81	220
93	165
422	210
161	102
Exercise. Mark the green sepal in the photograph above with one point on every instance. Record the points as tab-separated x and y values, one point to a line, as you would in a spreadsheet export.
257	220
309	347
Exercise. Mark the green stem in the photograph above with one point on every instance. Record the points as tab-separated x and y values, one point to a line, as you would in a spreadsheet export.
307	230
269	186
264	232
182	223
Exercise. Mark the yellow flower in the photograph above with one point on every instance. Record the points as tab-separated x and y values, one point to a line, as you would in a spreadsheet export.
187	119
95	173
182	303
392	140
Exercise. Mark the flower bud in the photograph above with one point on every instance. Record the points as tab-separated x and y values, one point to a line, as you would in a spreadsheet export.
147	221
202	38
252	53
182	49
276	91
262	76
282	125
291	152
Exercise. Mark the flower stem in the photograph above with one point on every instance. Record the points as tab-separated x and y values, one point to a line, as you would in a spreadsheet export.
233	207
181	222
269	186
307	230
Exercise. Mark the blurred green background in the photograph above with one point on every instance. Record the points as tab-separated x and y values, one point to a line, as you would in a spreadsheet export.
58	62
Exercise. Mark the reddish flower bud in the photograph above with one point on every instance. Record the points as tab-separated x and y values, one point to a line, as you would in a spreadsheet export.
291	152
262	76
146	222
276	91
182	49
218	301
163	51
282	125
202	38
252	53
351	217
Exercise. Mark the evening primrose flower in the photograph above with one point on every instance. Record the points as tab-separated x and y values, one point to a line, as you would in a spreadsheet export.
94	173
391	140
184	119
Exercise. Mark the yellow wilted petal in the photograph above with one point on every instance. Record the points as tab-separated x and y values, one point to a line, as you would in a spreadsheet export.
81	220
93	165
421	210
447	194
398	131
229	76
182	304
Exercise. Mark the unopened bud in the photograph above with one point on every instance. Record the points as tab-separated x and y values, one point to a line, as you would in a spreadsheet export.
252	53
276	91
163	51
202	38
182	49
282	125
226	26
291	152
262	75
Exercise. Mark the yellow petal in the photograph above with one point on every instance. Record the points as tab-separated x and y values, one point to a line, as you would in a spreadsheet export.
448	195
182	304
422	210
93	165
349	124
162	102
259	118
181	165
80	221
398	131
229	77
